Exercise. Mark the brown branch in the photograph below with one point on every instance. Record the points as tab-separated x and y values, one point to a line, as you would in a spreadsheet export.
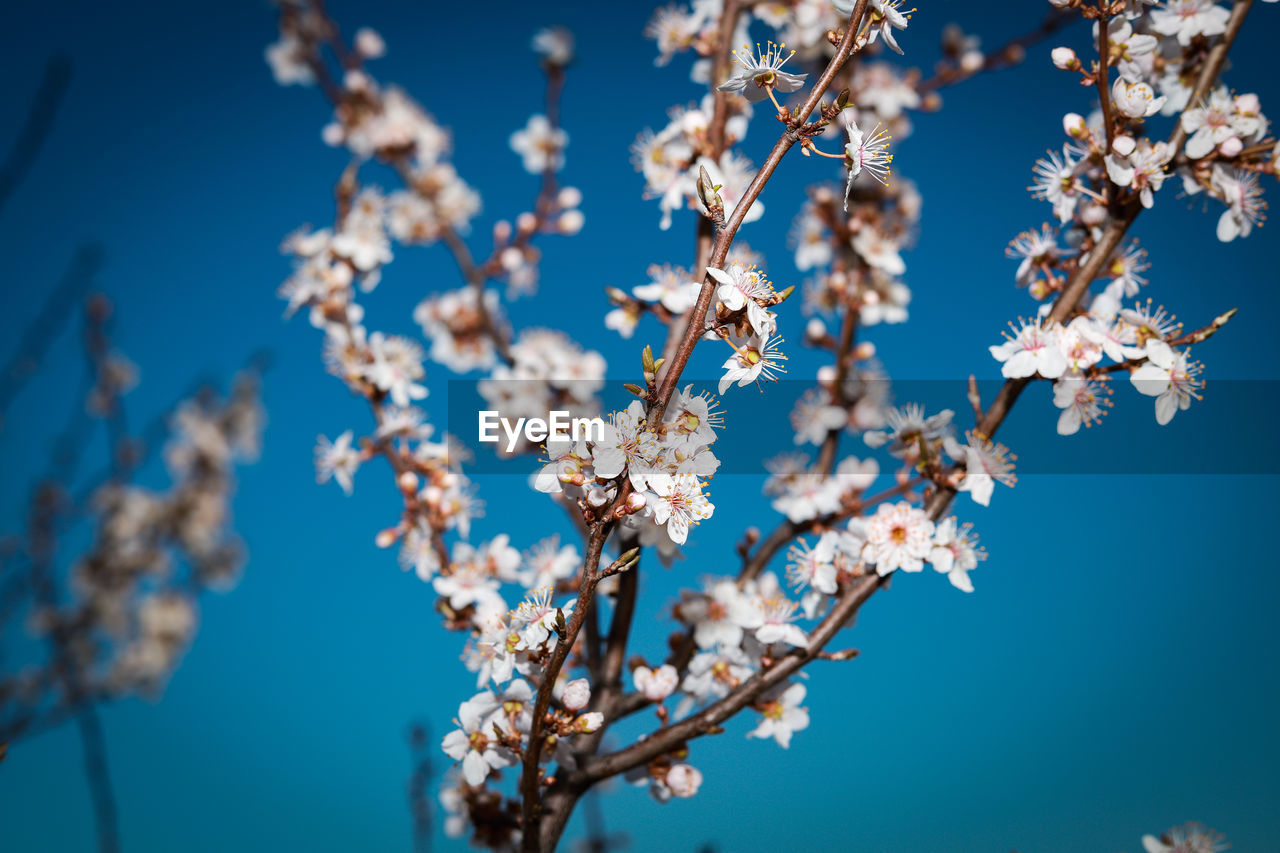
789	137
708	720
1009	54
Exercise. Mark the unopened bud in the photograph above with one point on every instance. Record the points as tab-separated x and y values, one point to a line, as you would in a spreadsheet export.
570	222
588	723
387	538
1231	147
569	197
864	351
1124	145
408	482
1075	126
526	222
1065	58
577	694
815	330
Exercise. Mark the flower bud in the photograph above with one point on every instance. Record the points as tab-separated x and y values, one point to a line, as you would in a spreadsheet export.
369	43
864	351
597	497
588	723
408	482
501	231
571	222
684	780
526	222
386	538
1065	58
577	694
636	501
1075	126
1124	145
1093	214
511	258
816	330
569	197
1231	147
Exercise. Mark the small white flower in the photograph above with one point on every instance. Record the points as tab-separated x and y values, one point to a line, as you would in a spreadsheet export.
1170	378
986	464
761	70
540	145
656	684
781	714
746	287
337	459
868	152
898	537
1033	349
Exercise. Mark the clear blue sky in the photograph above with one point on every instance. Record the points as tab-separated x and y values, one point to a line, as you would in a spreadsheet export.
1115	672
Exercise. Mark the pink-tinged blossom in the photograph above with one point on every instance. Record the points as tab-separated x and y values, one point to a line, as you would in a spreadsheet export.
1169	377
955	552
986	464
1032	350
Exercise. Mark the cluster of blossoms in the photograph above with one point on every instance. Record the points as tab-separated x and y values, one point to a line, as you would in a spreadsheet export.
1110	165
551	680
119	620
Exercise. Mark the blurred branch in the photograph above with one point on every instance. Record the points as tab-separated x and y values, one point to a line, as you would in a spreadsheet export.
40	334
44	109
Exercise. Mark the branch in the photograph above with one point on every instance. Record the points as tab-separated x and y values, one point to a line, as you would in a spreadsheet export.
788	138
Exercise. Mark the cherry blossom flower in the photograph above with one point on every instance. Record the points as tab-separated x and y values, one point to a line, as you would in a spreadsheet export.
1082	402
671	287
418	552
396	367
1142	169
338	460
955	553
1187	19
899	536
986	464
475	743
1033	349
907	427
1239	189
865	151
1218	119
680	503
1189	838
886	16
1036	249
755	360
746	287
693	418
538	614
540	145
555	44
781	714
656	684
1135	100
1055	182
627	445
1170	378
761	70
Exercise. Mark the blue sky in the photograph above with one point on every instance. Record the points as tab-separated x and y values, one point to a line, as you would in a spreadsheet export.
1113	674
